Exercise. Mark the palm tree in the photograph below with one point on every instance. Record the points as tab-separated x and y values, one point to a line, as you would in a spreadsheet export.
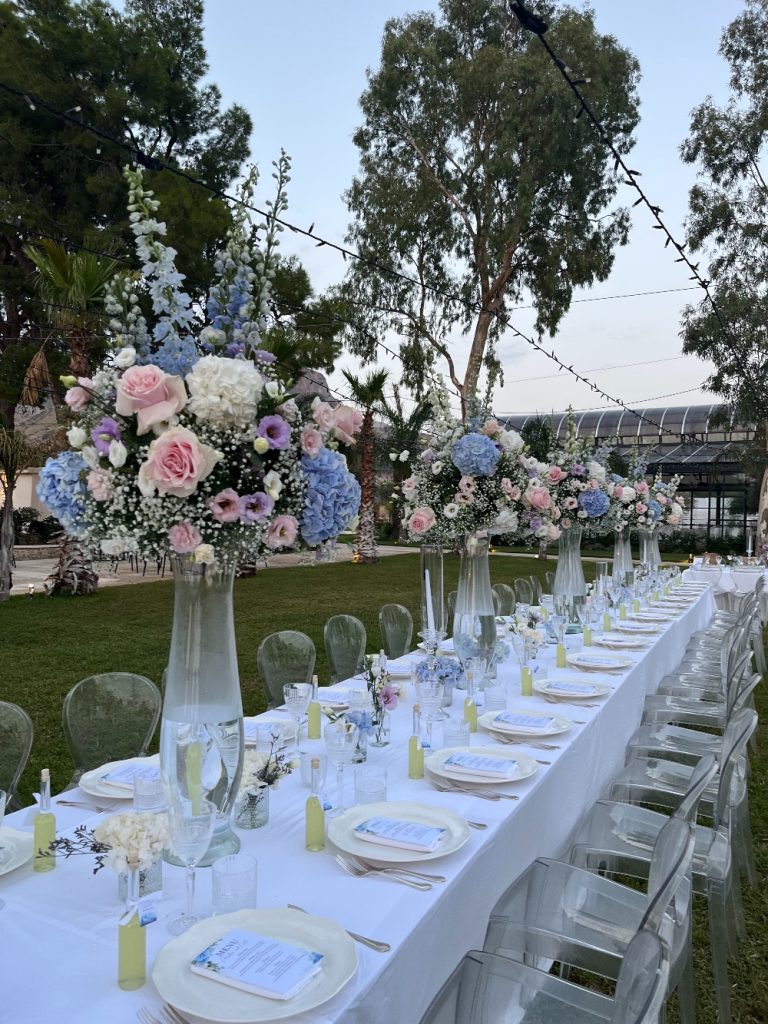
405	430
368	393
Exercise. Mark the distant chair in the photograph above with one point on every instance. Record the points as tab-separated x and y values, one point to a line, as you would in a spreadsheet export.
506	595
345	640
496	603
523	591
109	717
285	657
536	589
451	601
550	581
396	625
16	731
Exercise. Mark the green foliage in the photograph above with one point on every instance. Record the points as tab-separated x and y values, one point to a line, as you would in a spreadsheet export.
539	434
23	518
475	178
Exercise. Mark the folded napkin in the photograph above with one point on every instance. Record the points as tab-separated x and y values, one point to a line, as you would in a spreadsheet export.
122	778
476	764
594	661
523	723
407	835
258	964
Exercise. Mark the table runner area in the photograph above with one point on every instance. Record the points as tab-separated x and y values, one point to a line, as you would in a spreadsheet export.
58	930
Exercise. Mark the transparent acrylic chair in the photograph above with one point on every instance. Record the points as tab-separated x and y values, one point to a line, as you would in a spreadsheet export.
558	911
396	626
523	591
549	578
285	657
536	589
506	596
345	640
488	989
109	717
16	732
451	601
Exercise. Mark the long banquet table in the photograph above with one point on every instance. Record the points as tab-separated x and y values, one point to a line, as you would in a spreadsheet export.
58	930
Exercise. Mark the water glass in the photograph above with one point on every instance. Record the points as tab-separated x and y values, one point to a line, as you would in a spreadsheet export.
456	733
233	880
370	783
306	759
495	698
297	697
341	743
148	794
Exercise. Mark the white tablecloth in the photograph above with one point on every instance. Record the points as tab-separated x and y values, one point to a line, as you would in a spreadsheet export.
725	582
58	930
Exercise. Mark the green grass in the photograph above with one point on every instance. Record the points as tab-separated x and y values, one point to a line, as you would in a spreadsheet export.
47	645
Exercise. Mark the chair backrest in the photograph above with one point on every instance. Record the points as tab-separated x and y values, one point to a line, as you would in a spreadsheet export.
109	717
705	574
16	731
396	626
641	988
549	577
451	601
524	591
345	640
536	589
506	596
668	912
735	738
746	578
701	777
285	657
496	603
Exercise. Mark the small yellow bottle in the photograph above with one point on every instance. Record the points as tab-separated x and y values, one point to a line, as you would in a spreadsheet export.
45	826
607	622
526	681
131	942
314	828
587	636
560	661
635	606
313	714
415	749
470	708
622	611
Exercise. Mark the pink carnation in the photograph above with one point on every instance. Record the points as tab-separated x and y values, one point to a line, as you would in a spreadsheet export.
101	484
282	532
78	397
311	441
347	423
153	395
225	507
554	474
176	463
184	538
422	519
538	498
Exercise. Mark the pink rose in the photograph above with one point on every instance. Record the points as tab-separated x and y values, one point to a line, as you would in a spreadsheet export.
618	490
641	508
176	463
184	538
662	499
467	485
570	503
282	532
101	484
324	416
511	490
409	487
641	487
553	533
422	519
538	498
554	475
78	397
347	423
490	428
150	393
673	520
311	441
225	507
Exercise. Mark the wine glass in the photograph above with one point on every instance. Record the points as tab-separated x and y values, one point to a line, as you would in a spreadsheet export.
297	697
190	829
341	742
430	696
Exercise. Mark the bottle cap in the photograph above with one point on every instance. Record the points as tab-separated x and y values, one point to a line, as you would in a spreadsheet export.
45	774
314	680
315	762
417	707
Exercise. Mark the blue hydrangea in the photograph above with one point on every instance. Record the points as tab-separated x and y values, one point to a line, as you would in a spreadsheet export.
61	488
332	498
362	719
594	503
447	670
654	509
475	455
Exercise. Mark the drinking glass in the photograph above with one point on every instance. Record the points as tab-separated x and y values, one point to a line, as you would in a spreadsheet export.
233	882
297	697
190	829
148	794
3	800
340	742
495	698
456	733
429	694
370	783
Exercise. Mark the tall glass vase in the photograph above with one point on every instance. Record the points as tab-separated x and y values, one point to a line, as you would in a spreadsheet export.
474	622
201	737
569	576
622	553
649	548
432	560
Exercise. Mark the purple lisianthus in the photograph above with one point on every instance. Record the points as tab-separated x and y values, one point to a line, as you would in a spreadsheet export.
536	523
106	431
254	508
262	356
428	456
275	430
578	470
235	349
388	697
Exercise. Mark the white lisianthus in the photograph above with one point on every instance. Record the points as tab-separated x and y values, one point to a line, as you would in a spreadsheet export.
273	485
118	453
404	456
125	357
393	456
224	392
581	514
272	388
437	468
76	437
90	457
451	510
260	445
204	554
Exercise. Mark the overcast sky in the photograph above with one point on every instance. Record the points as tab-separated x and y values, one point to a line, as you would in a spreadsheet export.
299	68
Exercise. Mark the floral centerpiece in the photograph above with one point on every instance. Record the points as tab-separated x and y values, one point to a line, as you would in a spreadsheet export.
384	696
575	479
124	842
666	503
261	772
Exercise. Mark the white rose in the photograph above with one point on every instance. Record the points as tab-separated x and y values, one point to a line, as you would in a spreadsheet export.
272	388
260	445
393	456
90	457
451	510
404	456
76	437
118	453
204	554
437	467
628	494
273	485
125	357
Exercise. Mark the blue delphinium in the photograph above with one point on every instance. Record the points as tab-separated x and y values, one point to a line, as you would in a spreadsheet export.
61	488
332	498
594	503
475	455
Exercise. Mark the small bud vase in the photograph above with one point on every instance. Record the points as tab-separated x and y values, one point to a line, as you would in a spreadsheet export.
252	808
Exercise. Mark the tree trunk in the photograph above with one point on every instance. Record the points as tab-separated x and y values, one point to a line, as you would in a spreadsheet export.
475	361
762	516
6	543
366	531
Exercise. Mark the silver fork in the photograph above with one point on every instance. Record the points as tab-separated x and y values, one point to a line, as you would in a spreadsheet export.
96	808
503	738
554	700
397	869
146	1017
172	1016
484	794
480	825
379	947
359	872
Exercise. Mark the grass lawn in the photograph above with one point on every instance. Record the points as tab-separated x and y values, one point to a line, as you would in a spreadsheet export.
47	645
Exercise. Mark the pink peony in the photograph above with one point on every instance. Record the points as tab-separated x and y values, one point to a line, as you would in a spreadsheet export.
176	463
101	484
490	428
538	498
511	490
184	538
78	397
282	532
311	441
347	423
409	487
324	416
554	475
225	507
153	395
467	485
641	508
422	519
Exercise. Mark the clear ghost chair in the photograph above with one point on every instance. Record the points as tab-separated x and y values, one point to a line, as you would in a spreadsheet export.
345	640
523	591
559	912
485	987
536	589
396	626
16	732
109	717
285	657
549	578
451	601
506	596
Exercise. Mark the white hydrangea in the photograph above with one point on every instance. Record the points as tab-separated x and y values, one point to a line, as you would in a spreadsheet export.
596	471
136	841
224	392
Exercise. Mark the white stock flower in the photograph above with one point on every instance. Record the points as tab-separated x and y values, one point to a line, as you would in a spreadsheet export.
224	392
76	437
273	485
125	357
118	453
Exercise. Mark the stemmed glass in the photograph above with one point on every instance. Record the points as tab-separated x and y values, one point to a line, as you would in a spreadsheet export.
297	697
190	829
341	743
615	592
430	697
3	800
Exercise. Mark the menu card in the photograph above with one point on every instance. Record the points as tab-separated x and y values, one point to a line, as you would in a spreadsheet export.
476	764
584	688
258	964
521	722
409	835
122	778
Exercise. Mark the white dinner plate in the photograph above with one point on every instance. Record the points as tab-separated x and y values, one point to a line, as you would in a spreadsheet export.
16	848
400	671
209	1000
598	662
341	830
659	616
91	782
286	722
559	724
328	697
617	642
526	766
637	627
559	688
